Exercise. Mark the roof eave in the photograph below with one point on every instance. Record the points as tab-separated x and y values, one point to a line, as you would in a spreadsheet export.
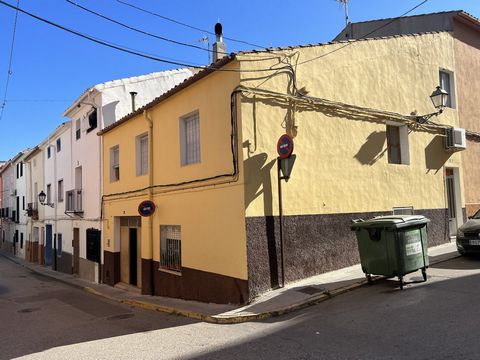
186	83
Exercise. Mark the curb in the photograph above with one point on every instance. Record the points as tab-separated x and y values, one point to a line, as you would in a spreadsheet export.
219	319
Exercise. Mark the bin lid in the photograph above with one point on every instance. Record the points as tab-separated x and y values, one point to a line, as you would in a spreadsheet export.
392	222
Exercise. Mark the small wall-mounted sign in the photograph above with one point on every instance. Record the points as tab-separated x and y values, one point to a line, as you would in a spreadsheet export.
146	208
285	146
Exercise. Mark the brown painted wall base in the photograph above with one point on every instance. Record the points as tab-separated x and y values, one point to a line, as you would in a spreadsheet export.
41	254
313	244
111	267
196	285
64	263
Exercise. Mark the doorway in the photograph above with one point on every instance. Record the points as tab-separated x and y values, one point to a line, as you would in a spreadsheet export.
130	251
76	251
48	245
454	206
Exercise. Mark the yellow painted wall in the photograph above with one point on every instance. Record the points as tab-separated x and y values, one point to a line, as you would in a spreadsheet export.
341	164
211	214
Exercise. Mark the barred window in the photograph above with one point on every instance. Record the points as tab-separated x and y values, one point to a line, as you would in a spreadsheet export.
170	248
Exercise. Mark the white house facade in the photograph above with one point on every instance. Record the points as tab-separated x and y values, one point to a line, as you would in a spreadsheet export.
57	178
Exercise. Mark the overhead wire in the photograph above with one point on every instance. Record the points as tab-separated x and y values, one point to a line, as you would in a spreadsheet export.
185	24
364	36
212	67
135	29
9	71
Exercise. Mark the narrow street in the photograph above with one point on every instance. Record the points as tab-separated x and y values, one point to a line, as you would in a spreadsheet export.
44	319
38	313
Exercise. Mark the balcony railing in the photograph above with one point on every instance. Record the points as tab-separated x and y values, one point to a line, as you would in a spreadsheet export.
74	201
32	210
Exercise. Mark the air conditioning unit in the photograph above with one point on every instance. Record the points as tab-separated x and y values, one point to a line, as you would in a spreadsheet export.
455	139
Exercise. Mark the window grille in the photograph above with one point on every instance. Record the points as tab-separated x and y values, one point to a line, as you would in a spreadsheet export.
170	248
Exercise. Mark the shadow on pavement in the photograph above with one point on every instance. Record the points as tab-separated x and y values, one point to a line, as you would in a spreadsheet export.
460	263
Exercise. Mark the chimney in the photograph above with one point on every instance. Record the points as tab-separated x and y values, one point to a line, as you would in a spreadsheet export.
219	48
133	94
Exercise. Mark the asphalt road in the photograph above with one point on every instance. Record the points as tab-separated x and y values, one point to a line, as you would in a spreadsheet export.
38	313
438	319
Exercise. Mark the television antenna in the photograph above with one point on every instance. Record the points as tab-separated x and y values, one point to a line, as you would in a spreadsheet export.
345	6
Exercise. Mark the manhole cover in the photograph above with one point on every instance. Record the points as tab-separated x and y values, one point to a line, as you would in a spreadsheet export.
28	310
120	317
310	290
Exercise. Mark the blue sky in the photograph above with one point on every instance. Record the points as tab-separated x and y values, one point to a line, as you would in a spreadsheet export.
51	68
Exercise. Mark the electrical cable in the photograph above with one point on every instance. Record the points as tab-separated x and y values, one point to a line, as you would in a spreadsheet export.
9	72
186	25
211	67
364	36
135	29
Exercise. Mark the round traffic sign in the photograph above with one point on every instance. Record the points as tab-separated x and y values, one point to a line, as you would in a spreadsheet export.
146	208
285	146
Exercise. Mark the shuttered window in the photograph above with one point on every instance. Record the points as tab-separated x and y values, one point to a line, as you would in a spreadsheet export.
190	139
142	154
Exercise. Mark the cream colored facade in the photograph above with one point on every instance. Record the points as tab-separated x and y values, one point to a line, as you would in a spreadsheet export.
229	224
394	74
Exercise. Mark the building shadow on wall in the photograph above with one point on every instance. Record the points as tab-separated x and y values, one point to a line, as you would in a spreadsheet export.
259	183
109	113
435	154
373	149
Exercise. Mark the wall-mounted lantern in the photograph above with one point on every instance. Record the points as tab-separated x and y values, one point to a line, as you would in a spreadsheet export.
42	197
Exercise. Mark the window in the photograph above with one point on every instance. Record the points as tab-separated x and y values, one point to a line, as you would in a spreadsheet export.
23	202
60	191
49	194
447	84
59	245
142	154
77	129
114	164
21	169
92	120
59	144
21	240
170	248
18	172
190	139
397	144
48	152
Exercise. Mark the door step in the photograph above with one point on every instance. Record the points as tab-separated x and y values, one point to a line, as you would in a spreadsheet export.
128	287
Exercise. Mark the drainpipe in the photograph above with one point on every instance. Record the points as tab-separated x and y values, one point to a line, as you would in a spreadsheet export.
147	289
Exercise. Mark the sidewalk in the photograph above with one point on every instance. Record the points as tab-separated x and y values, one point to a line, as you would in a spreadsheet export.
277	302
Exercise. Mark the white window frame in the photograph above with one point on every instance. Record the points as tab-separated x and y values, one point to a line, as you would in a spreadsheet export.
60	190
404	143
190	139
141	145
114	164
451	90
78	131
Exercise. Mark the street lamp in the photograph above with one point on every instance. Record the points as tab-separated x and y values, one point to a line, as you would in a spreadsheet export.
439	99
42	197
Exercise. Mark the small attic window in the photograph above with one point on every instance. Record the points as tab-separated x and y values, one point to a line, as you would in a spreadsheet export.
92	120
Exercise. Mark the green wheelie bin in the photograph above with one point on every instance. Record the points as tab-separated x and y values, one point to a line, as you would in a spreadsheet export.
393	245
